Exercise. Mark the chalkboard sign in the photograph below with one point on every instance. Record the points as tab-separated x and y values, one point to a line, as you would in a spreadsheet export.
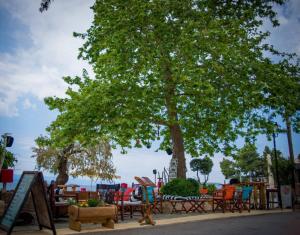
30	182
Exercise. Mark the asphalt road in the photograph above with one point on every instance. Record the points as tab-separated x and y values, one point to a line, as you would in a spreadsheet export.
273	224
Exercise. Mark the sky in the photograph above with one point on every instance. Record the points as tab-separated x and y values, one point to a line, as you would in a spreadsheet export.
38	49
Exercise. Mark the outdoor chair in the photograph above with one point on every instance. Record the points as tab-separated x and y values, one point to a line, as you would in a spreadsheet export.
154	200
58	202
107	191
237	202
224	198
125	205
82	196
246	197
93	195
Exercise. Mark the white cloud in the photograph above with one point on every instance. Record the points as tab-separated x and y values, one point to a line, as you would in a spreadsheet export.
28	105
286	37
37	69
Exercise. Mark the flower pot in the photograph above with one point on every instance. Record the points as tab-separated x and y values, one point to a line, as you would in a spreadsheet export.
104	215
7	176
203	191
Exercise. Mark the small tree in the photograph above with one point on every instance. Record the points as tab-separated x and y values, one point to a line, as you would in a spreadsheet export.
246	163
204	166
74	159
195	165
229	169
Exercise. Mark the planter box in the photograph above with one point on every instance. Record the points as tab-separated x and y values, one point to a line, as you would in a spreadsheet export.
100	215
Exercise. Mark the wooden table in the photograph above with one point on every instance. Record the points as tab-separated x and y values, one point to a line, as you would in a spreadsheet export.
198	204
195	205
174	203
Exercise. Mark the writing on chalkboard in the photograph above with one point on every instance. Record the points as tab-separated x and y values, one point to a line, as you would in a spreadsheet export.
18	199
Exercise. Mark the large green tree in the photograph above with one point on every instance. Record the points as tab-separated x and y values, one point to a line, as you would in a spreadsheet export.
282	99
192	68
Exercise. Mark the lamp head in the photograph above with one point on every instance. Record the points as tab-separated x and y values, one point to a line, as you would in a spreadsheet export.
8	139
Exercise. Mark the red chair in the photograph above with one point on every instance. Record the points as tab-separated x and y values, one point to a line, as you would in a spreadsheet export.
125	205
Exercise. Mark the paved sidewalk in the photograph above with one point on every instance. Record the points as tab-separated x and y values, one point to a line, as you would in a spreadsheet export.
161	219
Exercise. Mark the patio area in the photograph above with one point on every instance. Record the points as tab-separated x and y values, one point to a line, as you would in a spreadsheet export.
160	219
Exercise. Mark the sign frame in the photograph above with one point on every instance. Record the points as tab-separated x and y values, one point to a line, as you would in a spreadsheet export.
36	185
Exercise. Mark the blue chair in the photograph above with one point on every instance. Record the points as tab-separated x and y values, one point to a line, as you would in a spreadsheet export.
246	197
150	194
156	205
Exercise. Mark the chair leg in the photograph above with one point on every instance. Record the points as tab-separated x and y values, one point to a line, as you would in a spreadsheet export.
122	213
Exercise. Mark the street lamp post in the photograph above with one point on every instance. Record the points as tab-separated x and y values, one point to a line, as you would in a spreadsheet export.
276	166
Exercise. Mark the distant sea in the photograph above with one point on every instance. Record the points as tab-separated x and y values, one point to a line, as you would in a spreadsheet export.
88	185
84	183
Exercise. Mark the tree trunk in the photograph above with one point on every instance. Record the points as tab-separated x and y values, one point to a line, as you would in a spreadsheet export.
63	176
291	150
178	150
175	130
198	178
206	179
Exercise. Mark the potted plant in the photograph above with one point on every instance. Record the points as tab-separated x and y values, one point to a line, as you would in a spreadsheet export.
91	211
6	175
204	189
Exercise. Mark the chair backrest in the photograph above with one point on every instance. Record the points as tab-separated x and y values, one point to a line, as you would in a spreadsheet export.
82	196
150	192
93	195
246	193
218	193
229	192
107	191
127	194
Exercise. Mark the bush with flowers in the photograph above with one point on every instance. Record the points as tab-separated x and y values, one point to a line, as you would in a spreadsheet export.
88	203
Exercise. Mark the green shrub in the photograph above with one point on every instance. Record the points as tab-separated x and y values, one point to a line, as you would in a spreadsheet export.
9	160
71	201
181	187
93	202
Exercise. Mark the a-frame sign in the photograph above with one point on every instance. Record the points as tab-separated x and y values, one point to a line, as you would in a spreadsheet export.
30	181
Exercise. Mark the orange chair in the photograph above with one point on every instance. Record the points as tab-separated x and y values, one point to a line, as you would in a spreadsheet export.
224	198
